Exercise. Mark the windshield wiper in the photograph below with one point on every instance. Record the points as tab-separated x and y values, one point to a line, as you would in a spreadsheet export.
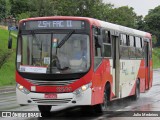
65	39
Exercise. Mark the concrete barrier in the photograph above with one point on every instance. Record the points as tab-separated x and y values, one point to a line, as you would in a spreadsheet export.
13	35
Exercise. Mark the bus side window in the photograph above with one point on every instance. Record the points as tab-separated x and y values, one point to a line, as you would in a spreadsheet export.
106	37
97	38
131	41
139	53
132	47
142	42
98	48
123	39
138	42
142	47
106	44
124	53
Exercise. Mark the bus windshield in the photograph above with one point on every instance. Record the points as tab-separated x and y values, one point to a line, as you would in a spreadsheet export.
38	53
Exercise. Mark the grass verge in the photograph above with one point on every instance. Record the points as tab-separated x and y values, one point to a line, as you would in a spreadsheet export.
156	58
7	59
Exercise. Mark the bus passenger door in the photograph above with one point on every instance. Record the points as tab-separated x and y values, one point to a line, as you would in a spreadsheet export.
98	66
147	64
115	63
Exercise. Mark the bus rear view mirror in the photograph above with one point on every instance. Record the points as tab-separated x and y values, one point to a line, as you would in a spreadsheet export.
9	43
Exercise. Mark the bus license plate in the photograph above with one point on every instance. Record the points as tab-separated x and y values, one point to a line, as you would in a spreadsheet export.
50	96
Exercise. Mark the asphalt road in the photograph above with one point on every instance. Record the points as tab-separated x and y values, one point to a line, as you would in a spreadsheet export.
149	101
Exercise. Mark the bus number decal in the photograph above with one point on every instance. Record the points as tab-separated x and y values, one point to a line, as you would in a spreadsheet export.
56	24
44	24
63	89
69	23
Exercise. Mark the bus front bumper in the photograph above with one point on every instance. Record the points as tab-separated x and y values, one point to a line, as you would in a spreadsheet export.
55	99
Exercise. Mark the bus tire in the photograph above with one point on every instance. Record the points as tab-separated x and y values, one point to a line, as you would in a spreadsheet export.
137	91
100	108
45	110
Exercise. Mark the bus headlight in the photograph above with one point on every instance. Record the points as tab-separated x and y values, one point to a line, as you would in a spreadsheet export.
23	89
82	88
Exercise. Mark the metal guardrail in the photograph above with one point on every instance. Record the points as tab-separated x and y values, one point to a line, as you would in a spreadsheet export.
7	89
4	27
9	21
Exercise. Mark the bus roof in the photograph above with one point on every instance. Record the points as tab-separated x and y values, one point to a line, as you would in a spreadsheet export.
123	29
96	22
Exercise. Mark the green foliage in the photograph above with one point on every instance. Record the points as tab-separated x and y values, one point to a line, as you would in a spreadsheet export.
39	8
154	39
86	8
23	15
152	19
139	23
2	9
7	71
7	68
19	6
124	16
156	57
152	22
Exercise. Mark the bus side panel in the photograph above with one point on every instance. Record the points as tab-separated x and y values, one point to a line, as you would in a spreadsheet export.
96	84
128	80
146	82
151	73
141	76
101	76
108	76
128	73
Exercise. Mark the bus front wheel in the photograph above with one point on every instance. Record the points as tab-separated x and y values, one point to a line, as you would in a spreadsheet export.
105	101
45	110
102	107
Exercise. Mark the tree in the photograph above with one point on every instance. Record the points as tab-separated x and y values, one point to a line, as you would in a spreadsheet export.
19	6
124	16
140	23
3	10
23	15
152	23
87	8
38	8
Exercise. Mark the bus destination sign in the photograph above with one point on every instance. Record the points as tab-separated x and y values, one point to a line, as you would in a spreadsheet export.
53	24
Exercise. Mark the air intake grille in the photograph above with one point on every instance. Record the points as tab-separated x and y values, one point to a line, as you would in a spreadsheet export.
52	101
51	83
